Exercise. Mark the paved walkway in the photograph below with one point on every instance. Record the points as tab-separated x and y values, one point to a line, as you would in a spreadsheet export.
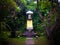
29	41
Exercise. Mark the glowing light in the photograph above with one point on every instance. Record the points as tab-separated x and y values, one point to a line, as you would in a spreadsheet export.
29	24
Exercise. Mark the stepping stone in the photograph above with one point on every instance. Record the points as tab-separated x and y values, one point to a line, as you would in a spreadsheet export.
29	41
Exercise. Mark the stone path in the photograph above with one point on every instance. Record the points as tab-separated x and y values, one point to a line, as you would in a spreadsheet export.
29	41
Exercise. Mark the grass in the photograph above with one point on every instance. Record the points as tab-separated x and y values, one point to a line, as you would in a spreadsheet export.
17	41
41	41
21	41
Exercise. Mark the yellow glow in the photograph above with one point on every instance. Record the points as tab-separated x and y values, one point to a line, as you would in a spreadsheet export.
29	24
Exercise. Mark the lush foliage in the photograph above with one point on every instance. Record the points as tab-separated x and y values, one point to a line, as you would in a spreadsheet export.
20	23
